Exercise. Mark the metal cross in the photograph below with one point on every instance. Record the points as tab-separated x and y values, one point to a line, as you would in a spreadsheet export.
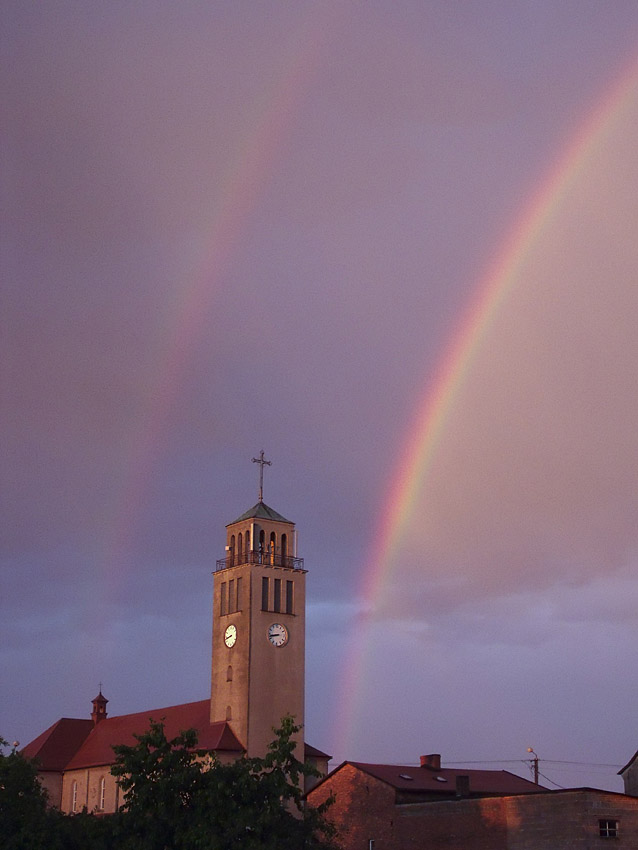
260	460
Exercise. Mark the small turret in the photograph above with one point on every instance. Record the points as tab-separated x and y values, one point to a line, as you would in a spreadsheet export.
99	708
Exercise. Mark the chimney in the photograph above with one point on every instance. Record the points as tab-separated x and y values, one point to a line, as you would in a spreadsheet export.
433	760
99	708
462	785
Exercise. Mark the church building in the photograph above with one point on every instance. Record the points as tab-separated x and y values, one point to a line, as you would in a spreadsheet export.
259	599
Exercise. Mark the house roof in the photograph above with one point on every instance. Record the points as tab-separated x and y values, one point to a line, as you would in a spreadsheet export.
98	747
73	744
261	511
313	752
629	763
57	745
410	778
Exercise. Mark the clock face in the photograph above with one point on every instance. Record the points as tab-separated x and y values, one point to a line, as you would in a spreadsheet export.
278	634
230	635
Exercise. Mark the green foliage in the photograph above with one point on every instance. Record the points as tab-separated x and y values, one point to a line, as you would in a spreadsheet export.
82	831
23	803
177	797
27	824
183	798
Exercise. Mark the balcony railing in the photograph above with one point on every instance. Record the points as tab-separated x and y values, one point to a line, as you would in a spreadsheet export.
267	559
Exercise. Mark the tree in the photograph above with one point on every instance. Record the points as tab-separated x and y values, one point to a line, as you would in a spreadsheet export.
23	803
26	822
181	797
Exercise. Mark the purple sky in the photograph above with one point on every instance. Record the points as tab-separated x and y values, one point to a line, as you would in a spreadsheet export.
235	226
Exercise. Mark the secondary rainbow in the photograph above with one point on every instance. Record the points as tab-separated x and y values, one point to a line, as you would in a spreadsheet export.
248	172
455	365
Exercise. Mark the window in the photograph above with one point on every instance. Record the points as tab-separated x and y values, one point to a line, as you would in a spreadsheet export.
231	596
223	607
229	713
74	797
284	550
608	828
264	593
273	547
229	674
102	793
232	550
238	600
289	597
277	599
240	549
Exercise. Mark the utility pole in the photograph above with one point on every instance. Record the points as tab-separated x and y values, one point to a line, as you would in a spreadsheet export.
534	762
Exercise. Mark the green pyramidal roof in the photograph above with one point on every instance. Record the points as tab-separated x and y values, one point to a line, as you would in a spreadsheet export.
261	511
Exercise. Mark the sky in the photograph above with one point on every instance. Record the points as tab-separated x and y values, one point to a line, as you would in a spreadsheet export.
393	244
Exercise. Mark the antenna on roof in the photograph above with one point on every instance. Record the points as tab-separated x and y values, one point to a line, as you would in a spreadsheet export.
260	460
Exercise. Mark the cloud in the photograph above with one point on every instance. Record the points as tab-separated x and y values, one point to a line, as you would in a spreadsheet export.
532	483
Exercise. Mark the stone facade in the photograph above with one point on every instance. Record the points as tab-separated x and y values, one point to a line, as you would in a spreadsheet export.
259	602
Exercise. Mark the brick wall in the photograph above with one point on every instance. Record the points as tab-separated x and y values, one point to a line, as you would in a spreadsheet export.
364	809
561	820
453	825
569	820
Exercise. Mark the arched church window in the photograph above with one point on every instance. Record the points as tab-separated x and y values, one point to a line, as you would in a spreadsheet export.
231	554
74	797
284	549
247	540
102	793
229	674
229	713
240	548
262	545
273	546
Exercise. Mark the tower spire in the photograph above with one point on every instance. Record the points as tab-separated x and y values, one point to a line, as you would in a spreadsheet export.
260	460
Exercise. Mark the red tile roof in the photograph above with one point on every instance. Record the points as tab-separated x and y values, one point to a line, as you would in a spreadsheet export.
98	747
72	744
56	746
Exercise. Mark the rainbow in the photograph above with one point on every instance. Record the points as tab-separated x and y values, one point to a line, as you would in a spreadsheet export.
241	186
429	422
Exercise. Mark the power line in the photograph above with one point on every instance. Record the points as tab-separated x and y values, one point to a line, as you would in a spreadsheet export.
547	779
526	761
491	761
583	763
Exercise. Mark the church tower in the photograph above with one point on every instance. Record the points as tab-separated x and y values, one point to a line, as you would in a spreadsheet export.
259	600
